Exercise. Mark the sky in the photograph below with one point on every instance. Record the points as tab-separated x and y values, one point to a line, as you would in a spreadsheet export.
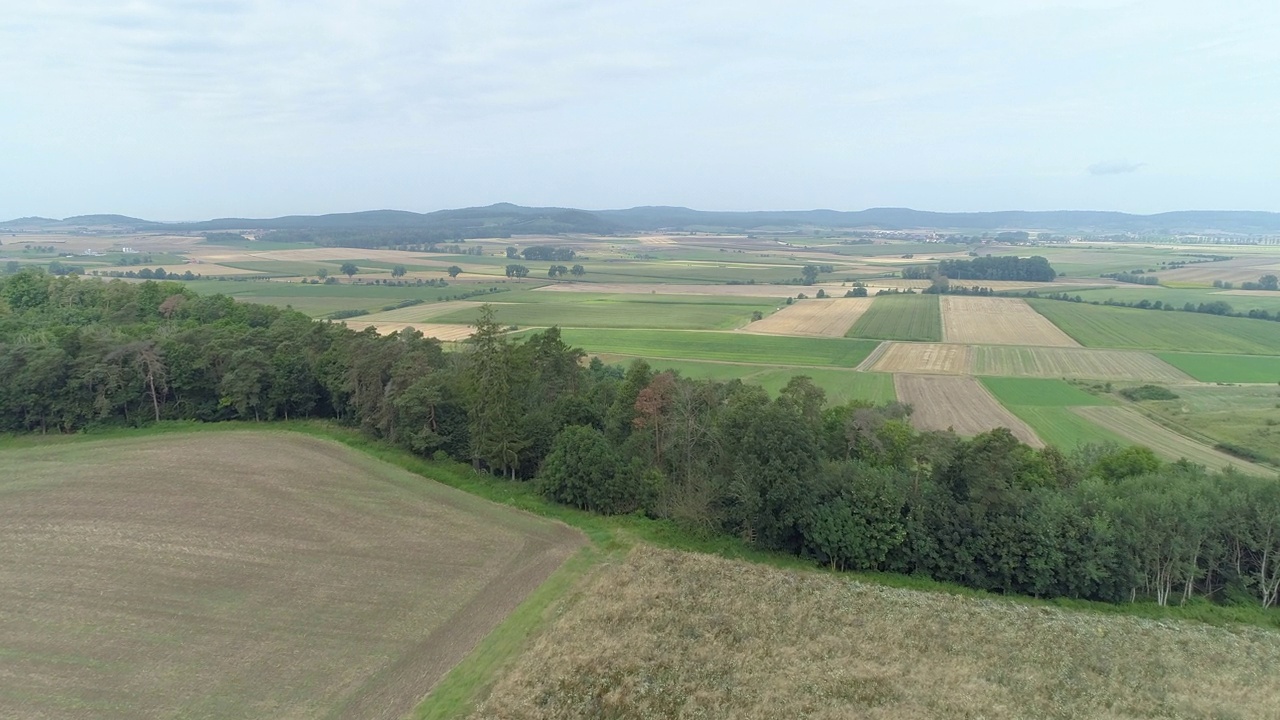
192	109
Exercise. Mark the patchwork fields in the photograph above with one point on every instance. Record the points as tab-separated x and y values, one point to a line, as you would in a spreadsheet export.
822	318
1140	430
724	347
1103	326
944	402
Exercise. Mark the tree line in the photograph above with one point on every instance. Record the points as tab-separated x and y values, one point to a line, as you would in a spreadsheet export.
990	267
850	486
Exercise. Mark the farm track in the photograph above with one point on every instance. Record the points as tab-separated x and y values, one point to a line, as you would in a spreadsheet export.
963	404
1166	443
998	321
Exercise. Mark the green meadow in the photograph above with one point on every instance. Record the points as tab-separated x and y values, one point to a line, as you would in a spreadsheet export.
901	317
1101	326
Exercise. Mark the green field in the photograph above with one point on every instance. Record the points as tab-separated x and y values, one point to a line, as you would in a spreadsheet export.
1246	416
611	313
1101	326
1226	368
723	346
319	300
901	317
1039	392
841	386
1044	404
1179	297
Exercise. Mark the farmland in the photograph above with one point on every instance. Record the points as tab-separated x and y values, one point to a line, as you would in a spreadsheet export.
1072	363
616	314
1116	327
822	318
944	402
997	321
245	574
1226	368
723	346
1243	416
1045	405
929	358
841	386
1136	428
901	317
672	634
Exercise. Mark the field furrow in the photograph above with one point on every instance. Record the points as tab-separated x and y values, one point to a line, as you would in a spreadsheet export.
961	404
998	321
1141	430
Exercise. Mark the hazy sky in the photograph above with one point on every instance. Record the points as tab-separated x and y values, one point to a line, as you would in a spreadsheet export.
190	109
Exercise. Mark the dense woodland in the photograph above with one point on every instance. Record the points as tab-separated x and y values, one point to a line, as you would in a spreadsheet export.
850	486
1003	267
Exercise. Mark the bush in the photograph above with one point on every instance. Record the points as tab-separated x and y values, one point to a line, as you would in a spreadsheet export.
1148	392
343	314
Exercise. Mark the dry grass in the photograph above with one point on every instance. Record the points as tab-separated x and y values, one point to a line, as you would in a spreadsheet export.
244	574
419	313
758	290
1137	428
959	403
666	634
821	318
929	358
998	321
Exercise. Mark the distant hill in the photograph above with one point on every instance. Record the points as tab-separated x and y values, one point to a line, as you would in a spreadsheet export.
505	219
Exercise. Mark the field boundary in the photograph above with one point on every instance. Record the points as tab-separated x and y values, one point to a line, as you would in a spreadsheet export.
874	357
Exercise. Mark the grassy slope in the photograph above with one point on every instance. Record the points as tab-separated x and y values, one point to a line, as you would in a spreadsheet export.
1116	327
670	634
723	346
1247	416
901	317
1226	368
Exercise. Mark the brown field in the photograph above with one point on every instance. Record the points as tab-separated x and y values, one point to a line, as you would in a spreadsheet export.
959	403
666	634
1085	364
998	321
245	574
440	331
928	358
822	318
1141	430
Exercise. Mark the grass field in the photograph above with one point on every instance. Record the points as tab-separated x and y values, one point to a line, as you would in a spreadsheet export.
610	313
1039	392
901	317
1246	416
1179	297
245	574
1226	368
320	300
841	386
723	346
665	634
1044	403
1102	326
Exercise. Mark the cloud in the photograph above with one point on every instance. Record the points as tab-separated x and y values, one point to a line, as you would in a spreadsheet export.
1114	167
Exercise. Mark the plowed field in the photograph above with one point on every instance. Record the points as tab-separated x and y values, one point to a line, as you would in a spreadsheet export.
929	358
245	574
959	403
1139	429
998	321
823	318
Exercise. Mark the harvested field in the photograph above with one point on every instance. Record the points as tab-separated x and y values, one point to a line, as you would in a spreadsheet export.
666	634
1077	363
823	318
439	331
998	321
927	358
245	574
959	403
1141	430
1239	270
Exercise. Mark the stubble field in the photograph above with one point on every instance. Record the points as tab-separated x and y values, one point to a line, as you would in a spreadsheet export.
242	574
665	634
997	321
927	358
822	318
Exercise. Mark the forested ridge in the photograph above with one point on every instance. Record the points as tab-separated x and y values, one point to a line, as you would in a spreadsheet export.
850	486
